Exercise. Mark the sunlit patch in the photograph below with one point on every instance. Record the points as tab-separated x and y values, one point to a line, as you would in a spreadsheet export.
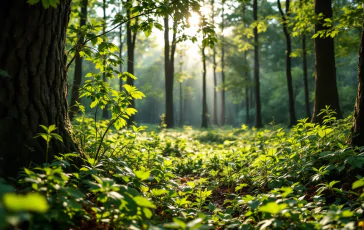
194	20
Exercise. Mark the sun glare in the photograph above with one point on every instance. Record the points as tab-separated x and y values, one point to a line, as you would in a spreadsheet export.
194	20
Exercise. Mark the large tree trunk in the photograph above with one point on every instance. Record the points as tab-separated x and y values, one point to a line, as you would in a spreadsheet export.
325	71
292	114
258	115
222	65
32	51
75	96
357	131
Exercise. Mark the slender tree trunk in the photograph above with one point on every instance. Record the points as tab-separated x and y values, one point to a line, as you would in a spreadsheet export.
222	64
325	70
169	52
181	90
181	104
131	38
292	114
305	73
121	46
258	115
214	121
105	111
305	77
247	114
75	95
32	52
357	131
204	99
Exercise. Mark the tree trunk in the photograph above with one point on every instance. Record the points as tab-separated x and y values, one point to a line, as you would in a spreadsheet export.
214	121
258	115
105	111
75	95
222	65
305	73
131	38
181	90
305	77
292	115
121	46
325	71
32	51
169	51
180	104
357	131
204	99
247	115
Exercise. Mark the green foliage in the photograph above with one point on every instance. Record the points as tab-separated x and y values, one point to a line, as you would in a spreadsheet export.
304	178
46	3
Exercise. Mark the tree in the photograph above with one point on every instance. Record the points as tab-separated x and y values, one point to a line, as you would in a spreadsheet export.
75	96
121	46
33	82
130	40
204	123
285	16
222	64
305	70
258	115
357	131
105	111
326	93
169	52
214	66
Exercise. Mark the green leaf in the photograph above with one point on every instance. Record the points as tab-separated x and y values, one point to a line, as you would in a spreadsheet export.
272	208
143	202
142	175
29	202
358	183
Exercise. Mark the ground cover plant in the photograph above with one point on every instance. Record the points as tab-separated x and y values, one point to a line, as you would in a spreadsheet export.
303	178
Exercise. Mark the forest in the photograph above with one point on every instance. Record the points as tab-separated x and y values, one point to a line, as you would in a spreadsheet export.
182	114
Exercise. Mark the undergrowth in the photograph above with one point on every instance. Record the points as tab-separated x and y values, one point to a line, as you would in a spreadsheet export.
303	178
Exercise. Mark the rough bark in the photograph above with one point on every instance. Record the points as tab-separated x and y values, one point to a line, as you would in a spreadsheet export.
75	95
32	51
291	110
258	115
169	52
222	65
357	131
326	93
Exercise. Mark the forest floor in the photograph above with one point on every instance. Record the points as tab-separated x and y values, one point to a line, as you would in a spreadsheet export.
241	178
